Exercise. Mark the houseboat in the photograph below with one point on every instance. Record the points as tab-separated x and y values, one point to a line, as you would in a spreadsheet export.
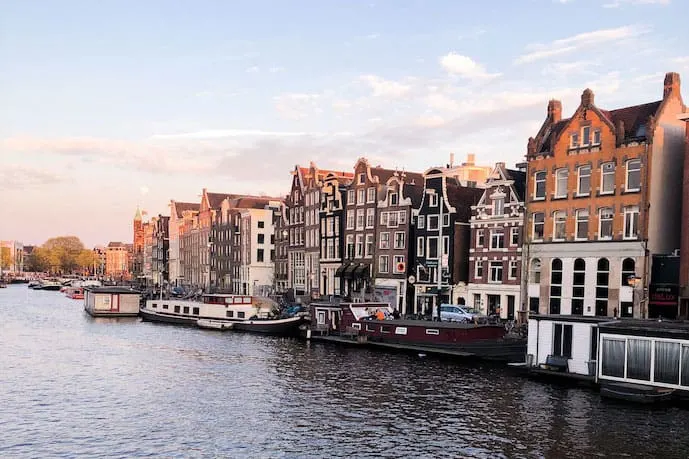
111	301
373	324
75	293
223	311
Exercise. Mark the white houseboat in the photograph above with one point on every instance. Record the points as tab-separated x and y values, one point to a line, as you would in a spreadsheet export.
111	301
223	311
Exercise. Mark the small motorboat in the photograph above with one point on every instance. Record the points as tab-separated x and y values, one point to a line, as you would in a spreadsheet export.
636	393
214	324
282	326
75	293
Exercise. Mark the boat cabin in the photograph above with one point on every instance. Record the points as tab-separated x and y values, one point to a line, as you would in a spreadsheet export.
644	352
111	301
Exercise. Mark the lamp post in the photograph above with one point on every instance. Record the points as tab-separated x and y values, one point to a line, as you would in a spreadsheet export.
634	282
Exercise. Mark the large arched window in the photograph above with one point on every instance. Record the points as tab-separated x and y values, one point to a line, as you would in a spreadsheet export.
628	270
555	286
578	283
535	271
602	282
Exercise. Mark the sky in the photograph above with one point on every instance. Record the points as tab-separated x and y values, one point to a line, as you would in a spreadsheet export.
110	105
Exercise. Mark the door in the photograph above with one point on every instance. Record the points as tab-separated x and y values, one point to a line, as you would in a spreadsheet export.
493	305
115	303
510	307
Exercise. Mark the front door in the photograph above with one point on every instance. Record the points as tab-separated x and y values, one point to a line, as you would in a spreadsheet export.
493	305
510	307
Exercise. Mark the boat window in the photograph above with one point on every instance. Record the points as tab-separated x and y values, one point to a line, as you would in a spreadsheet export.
185	310
639	359
400	330
165	306
229	313
384	329
666	362
240	314
176	308
155	306
613	357
229	300
685	365
195	311
247	300
432	331
369	328
356	326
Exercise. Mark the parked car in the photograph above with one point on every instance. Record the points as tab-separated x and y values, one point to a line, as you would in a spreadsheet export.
454	313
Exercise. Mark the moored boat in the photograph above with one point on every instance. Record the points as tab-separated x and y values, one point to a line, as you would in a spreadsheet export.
111	302
372	324
214	324
636	393
75	293
277	326
48	285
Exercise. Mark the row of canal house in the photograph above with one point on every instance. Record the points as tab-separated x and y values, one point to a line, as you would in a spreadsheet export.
378	234
603	203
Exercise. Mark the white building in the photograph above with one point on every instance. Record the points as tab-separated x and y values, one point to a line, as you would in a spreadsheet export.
13	255
179	211
257	251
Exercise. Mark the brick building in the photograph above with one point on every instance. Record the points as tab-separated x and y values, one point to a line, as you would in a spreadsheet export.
684	222
280	223
394	236
495	260
600	189
138	244
161	246
296	264
181	213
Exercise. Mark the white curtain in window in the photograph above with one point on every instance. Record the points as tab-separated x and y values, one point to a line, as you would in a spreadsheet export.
613	357
666	362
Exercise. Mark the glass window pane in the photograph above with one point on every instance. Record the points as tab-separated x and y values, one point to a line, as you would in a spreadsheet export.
666	362
613	357
639	359
685	365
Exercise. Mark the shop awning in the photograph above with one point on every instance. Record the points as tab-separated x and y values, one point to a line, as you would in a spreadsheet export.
362	271
349	270
341	269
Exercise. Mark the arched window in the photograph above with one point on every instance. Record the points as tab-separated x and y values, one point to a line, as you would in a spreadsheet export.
535	271
578	287
602	282
628	270
555	286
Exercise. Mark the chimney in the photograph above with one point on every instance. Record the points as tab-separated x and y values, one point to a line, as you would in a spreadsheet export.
471	159
619	132
452	160
587	98
671	84
554	110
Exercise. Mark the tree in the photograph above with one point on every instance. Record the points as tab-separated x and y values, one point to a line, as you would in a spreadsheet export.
38	261
87	260
63	253
5	258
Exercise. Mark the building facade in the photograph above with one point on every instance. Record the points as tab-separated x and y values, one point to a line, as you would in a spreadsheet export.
600	202
281	248
394	236
684	244
495	256
138	244
296	254
161	246
116	261
180	214
12	256
332	212
257	248
442	238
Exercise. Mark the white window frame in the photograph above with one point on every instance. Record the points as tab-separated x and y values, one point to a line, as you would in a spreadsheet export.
480	238
370	218
384	264
397	259
421	221
384	242
420	246
431	218
561	174
638	170
360	219
513	266
369	245
351	197
514	236
433	199
562	222
600	223
384	219
496	236
446	245
499	206
536	197
393	199
478	269
362	178
603	174
428	247
631	233
359	246
581	176
494	267
402	217
404	240
361	196
533	226
579	219
370	195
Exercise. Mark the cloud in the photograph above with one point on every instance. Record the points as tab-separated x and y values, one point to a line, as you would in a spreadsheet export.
15	176
618	3
221	133
537	52
385	88
296	106
276	69
253	69
464	66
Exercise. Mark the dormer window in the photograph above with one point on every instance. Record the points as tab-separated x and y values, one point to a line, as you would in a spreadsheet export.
498	207
393	199
362	178
433	200
596	137
585	138
574	141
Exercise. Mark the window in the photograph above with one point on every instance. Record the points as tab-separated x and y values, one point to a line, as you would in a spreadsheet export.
362	178
555	286
195	311
561	177
538	226
446	245
371	195
361	197
602	281
584	185
559	225
628	270
384	219
432	251
350	219
535	271
421	222
513	270
359	245
605	223
261	224
177	308
360	219
596	137
402	217
480	238
384	264
631	222
350	197
582	224
574	140
259	255
633	175
578	283
399	263
399	239
586	135
639	359
514	235
433	200
539	185
562	340
261	238
498	207
478	269
393	199
369	245
384	241
607	185
432	222
392	220
497	240
495	271
419	246
370	217
446	219
350	246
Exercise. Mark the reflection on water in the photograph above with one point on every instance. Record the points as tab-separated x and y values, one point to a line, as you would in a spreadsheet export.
75	385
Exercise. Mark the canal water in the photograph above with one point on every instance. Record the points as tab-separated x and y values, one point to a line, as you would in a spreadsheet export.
74	386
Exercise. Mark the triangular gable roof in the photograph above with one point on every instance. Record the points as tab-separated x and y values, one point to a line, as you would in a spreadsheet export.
181	207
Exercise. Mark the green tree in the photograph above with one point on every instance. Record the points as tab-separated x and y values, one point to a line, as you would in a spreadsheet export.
87	259
63	253
38	261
